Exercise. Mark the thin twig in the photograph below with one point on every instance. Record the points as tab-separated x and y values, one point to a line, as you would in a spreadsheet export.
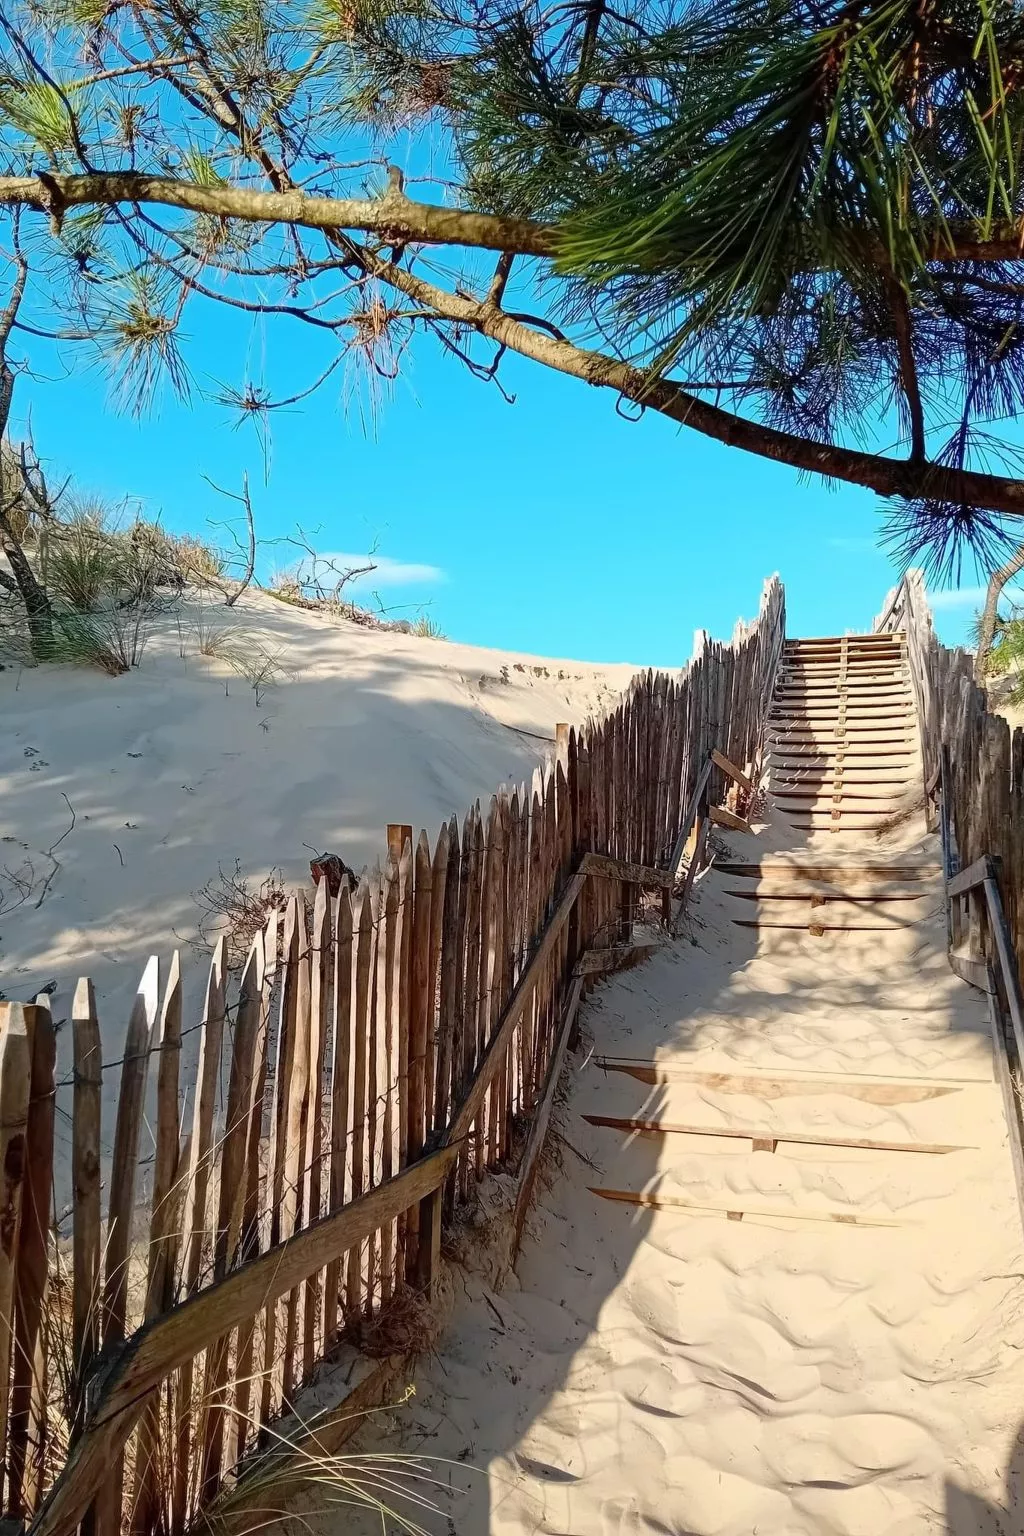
50	852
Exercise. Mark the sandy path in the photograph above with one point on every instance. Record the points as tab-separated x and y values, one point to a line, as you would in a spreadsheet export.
675	1372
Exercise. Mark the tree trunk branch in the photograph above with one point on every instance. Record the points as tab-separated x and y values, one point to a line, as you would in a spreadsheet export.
986	633
397	218
876	472
394	217
896	294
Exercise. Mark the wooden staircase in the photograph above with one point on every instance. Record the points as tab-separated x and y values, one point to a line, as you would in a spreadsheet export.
842	732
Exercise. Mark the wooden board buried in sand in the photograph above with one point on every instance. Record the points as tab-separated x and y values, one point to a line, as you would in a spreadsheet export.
770	1086
737	1213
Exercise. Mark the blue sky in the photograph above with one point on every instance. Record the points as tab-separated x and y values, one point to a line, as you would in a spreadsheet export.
551	525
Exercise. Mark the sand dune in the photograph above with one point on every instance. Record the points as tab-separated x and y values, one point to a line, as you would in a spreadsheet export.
173	772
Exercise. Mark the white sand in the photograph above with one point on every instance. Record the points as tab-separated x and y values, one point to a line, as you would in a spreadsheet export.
181	777
664	1372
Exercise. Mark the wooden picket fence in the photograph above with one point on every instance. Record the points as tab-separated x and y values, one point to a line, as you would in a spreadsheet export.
379	1053
974	788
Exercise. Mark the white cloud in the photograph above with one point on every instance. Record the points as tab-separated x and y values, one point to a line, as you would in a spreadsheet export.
969	597
962	597
386	572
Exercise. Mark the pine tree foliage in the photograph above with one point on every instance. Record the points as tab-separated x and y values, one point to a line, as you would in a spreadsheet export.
806	215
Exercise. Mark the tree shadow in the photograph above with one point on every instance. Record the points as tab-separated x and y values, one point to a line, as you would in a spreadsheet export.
967	1514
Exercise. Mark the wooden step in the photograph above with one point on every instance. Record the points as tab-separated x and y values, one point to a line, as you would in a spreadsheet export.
825	892
819	677
887	639
819	870
858	637
829	711
846	793
790	1083
838	915
866	741
827	706
767	1140
891	651
826	730
820	750
846	821
854	775
852	691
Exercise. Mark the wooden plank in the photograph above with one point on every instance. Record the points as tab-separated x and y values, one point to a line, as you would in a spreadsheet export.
400	1016
28	1425
640	1126
124	1163
15	1084
485	1149
244	1102
721	816
277	1160
721	761
539	1127
847	873
974	971
197	1234
341	1067
252	1024
501	1036
737	1211
502	974
297	1111
969	879
468	1041
321	958
86	1234
164	1343
597	962
807	890
492	972
208	1083
696	862
1007	961
463	985
446	972
777	1085
603	867
1011	1084
691	815
420	1015
362	941
159	1270
438	879
387	1064
121	1209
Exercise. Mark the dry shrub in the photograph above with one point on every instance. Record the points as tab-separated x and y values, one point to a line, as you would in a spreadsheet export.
406	1325
916	807
229	905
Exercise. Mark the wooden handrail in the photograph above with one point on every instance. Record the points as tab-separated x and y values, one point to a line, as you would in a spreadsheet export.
970	878
160	1346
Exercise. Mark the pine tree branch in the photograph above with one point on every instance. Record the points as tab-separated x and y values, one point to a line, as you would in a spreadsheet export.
900	310
394	217
397	218
876	472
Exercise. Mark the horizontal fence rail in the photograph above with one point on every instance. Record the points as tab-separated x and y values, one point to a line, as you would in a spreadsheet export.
381	1048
